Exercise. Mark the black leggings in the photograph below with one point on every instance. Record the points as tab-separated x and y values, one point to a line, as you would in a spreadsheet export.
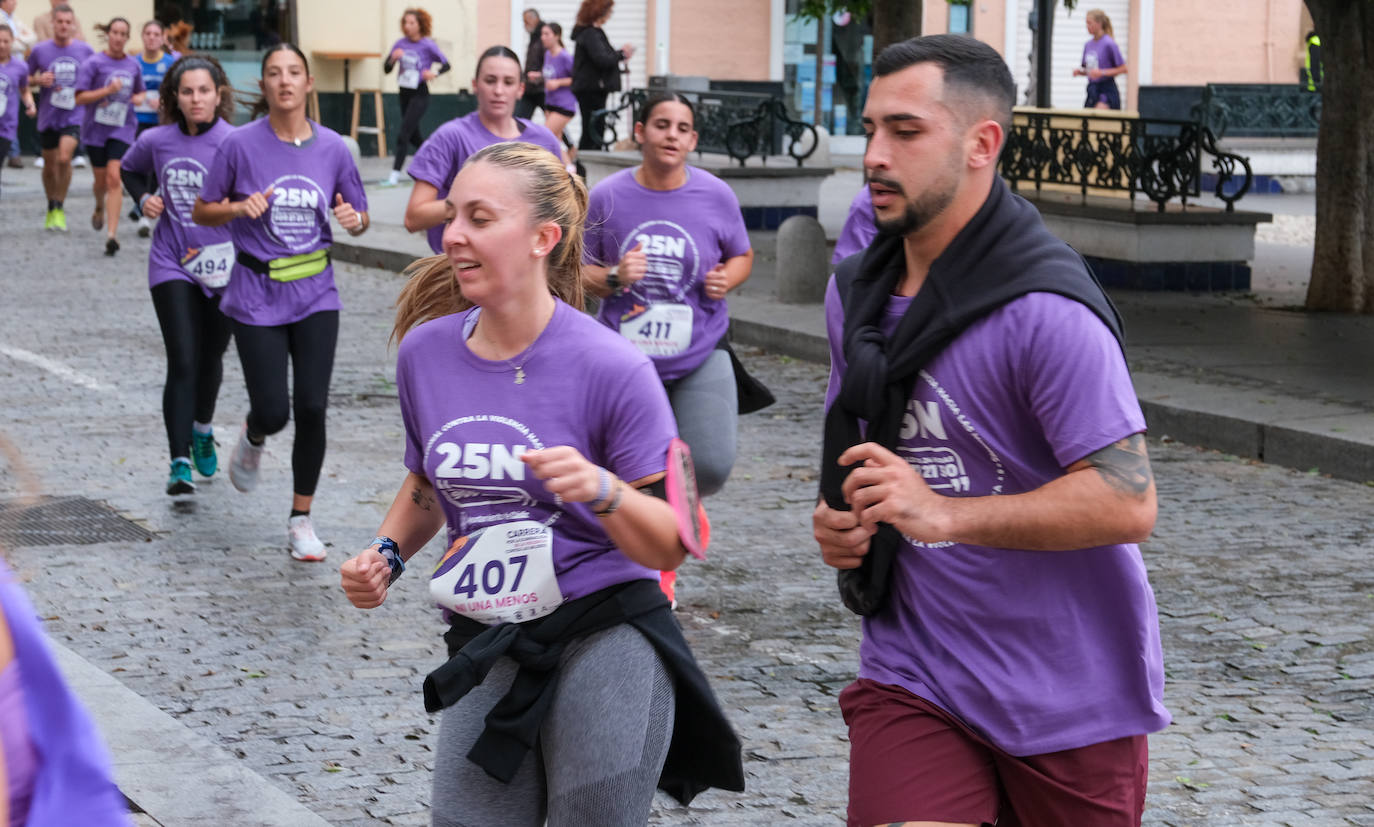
263	352
196	335
414	102
587	104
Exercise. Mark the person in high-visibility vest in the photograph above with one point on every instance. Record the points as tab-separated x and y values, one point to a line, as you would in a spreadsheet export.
1312	63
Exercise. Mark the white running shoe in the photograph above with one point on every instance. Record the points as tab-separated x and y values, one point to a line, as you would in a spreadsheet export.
38	163
301	537
79	161
244	462
145	227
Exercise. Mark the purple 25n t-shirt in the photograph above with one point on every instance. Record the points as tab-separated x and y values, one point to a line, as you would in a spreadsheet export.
14	79
181	163
684	232
1037	651
467	422
1102	53
304	181
860	227
57	107
418	55
557	67
112	118
438	160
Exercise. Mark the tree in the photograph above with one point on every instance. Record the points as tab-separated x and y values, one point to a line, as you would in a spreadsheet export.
1343	256
893	20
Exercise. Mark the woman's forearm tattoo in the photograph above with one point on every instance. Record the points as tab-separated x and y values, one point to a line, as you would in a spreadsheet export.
1125	465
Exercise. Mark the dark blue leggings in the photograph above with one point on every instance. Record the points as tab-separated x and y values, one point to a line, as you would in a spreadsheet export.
263	351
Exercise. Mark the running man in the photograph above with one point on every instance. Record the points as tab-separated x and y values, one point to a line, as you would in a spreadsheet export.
1010	667
53	66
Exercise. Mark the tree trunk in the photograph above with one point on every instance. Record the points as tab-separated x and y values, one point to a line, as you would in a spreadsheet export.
895	21
1343	255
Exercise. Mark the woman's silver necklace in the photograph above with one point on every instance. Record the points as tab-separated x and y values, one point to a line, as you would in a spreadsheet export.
510	363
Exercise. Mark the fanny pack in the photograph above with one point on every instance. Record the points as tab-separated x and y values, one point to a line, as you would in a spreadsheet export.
290	268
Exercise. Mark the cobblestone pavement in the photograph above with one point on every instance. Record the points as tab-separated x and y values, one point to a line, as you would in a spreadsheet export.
1262	576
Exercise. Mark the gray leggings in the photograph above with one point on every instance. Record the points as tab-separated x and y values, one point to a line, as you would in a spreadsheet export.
706	407
600	750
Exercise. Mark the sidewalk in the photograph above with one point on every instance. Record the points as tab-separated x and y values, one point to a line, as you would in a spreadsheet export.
1246	374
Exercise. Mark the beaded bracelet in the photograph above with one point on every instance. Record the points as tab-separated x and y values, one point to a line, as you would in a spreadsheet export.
615	501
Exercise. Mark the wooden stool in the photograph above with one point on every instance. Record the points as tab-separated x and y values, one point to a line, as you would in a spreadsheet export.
379	120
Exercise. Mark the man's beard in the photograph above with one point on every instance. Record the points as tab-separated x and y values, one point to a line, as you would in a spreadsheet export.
919	212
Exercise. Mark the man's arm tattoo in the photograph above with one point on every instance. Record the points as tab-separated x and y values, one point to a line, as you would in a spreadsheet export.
1125	465
421	499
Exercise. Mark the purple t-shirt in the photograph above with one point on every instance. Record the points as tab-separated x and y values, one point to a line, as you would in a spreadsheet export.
685	232
181	163
57	107
304	181
419	55
1037	651
1102	53
559	66
112	118
438	160
14	79
860	227
467	423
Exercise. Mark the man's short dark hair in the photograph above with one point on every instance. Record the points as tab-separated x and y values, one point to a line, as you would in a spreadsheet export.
969	65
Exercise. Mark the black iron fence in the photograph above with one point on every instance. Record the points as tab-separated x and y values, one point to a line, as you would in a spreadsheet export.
1244	110
1161	159
739	124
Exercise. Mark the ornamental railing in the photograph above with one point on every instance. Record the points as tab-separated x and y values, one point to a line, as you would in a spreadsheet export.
1251	110
741	125
1161	159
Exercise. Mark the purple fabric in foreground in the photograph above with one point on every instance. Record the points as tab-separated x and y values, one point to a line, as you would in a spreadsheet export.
74	783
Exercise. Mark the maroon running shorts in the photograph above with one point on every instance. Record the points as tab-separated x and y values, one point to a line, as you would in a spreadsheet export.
909	760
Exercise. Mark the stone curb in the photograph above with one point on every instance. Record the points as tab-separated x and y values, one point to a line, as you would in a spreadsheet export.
166	770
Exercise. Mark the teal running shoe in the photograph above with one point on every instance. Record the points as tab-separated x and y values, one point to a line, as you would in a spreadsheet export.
179	481
203	453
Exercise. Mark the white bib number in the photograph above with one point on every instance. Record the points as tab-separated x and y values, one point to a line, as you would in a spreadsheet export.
408	79
662	330
112	113
4	103
211	264
63	98
502	574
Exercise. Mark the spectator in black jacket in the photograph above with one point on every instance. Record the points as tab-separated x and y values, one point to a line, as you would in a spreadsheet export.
534	62
596	66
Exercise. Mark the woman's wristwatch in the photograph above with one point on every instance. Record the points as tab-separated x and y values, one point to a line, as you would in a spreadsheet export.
612	280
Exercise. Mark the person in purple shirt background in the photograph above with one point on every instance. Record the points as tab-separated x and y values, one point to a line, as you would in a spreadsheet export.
497	85
188	265
109	86
541	467
53	65
416	54
14	93
1102	62
560	105
666	243
859	227
276	182
154	62
986	471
